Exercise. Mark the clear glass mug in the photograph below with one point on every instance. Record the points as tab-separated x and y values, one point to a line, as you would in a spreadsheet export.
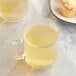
38	57
13	10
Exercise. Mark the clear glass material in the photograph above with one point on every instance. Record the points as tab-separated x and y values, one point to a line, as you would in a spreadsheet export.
40	55
45	54
13	10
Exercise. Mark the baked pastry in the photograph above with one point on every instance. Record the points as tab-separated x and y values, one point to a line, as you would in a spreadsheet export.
67	12
68	8
71	3
64	1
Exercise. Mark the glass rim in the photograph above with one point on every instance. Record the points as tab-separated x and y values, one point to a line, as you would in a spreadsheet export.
44	19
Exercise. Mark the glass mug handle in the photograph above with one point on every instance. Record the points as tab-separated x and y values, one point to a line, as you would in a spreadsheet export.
17	47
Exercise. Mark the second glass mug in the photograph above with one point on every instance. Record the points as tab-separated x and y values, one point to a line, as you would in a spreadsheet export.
38	57
13	10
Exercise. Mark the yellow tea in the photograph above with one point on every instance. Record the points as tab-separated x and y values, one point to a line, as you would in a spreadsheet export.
13	9
39	49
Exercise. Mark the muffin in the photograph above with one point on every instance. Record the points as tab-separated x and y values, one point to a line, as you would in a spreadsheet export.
67	12
71	3
64	1
68	9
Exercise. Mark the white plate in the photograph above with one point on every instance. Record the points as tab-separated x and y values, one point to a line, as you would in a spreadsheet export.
54	4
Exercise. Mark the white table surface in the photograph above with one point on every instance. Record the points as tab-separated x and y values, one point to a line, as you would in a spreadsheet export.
7	35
